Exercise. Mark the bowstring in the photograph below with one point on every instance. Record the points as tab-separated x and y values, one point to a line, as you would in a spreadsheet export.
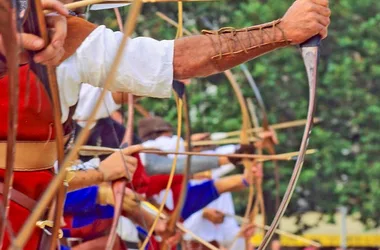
179	105
172	172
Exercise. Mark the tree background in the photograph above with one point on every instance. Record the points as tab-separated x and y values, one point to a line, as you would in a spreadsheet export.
346	169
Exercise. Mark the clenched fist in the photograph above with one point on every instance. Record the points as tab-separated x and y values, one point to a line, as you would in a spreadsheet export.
306	18
120	164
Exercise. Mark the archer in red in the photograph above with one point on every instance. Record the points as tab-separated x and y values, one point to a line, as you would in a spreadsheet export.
35	127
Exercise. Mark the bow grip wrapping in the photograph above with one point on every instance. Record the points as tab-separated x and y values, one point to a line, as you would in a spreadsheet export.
314	41
179	88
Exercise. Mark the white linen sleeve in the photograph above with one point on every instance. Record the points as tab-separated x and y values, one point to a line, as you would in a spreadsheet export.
146	68
88	97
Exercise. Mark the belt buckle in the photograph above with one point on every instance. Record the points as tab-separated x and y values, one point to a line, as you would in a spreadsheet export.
72	242
48	223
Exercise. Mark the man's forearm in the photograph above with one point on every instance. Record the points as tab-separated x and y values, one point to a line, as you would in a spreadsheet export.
214	52
141	217
230	184
156	164
81	179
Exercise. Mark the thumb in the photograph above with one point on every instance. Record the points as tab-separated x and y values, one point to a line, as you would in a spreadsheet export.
219	212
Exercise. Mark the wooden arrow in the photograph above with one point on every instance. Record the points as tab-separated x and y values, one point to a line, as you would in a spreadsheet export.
94	150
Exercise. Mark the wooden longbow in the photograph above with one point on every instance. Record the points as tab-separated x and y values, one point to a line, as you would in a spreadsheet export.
310	54
9	32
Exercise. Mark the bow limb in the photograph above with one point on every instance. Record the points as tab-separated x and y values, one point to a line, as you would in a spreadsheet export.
11	46
173	167
259	202
186	172
179	92
145	113
244	139
310	54
246	125
29	225
268	142
119	186
176	214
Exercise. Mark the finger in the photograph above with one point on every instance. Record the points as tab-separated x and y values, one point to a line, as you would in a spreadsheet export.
49	53
316	26
321	2
325	21
59	24
132	149
56	59
131	160
31	42
219	213
56	6
130	166
131	170
323	33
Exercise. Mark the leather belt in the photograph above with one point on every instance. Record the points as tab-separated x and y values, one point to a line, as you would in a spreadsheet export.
71	241
31	156
20	198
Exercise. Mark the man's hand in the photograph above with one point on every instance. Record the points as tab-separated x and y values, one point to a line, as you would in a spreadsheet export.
267	137
57	26
255	171
169	238
306	18
120	164
247	231
105	197
213	215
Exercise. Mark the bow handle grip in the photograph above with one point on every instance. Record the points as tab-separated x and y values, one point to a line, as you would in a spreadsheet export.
314	41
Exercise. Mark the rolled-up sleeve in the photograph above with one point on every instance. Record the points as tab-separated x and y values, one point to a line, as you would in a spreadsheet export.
146	68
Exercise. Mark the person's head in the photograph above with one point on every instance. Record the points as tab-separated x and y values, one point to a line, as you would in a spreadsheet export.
153	127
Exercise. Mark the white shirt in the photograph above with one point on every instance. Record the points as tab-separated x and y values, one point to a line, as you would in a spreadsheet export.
166	144
88	97
226	231
126	229
145	70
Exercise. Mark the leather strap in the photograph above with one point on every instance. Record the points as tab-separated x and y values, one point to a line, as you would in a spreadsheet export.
78	30
20	198
31	156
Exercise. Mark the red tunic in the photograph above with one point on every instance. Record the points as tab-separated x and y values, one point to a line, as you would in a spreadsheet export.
152	185
35	123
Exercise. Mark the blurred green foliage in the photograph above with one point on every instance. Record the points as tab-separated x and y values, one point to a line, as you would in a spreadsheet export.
346	170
